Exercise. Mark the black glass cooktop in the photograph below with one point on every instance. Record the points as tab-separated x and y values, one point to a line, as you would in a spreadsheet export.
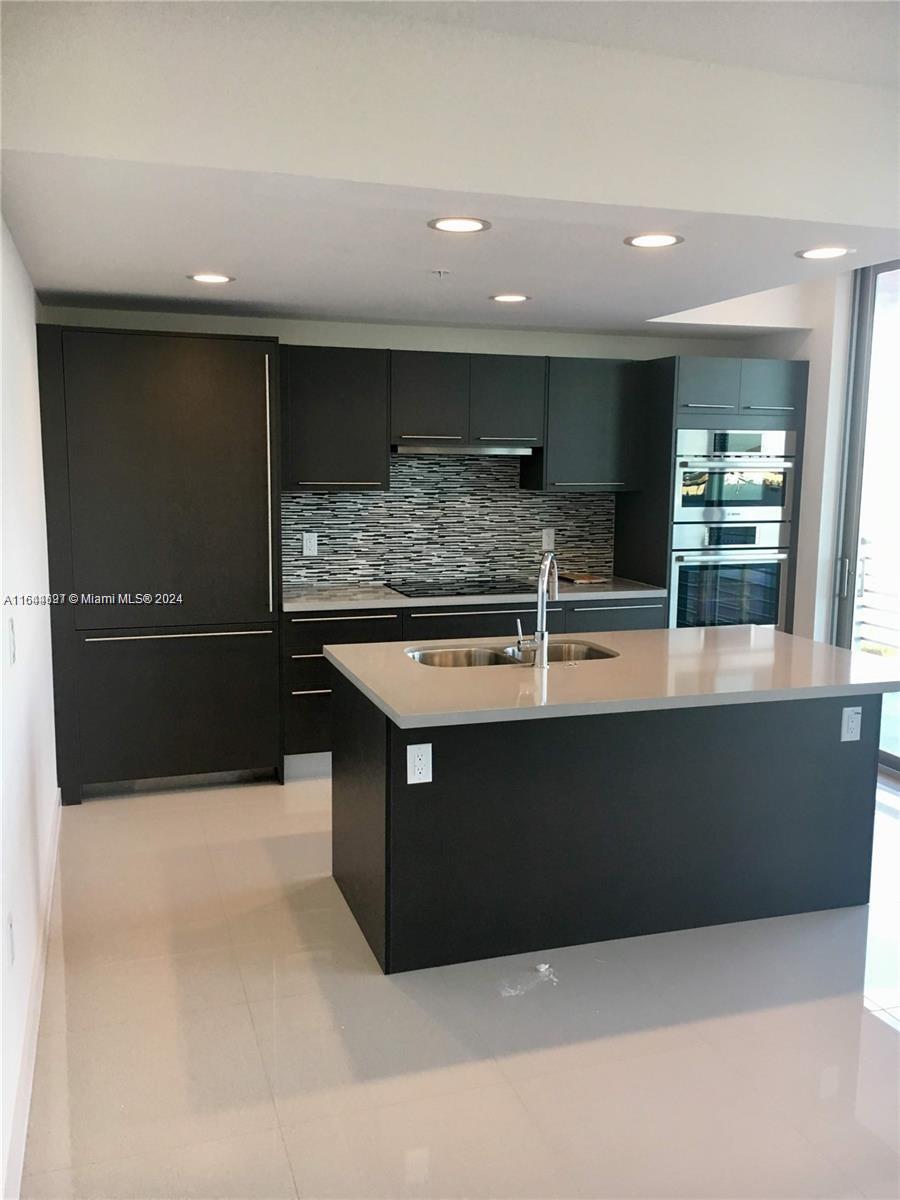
416	589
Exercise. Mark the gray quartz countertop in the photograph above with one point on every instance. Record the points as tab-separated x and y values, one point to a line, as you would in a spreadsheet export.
654	669
379	595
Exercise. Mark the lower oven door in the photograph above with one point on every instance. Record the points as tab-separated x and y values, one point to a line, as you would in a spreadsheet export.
736	588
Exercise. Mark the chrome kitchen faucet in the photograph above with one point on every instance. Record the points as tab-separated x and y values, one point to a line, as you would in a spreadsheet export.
548	588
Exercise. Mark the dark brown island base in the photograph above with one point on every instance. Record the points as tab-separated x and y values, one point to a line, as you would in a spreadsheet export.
699	777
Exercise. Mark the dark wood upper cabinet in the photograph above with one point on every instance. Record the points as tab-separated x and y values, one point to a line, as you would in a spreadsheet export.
773	390
429	397
335	418
590	429
506	399
170	453
708	386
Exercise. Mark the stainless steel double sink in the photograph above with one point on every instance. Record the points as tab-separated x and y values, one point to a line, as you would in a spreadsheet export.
505	656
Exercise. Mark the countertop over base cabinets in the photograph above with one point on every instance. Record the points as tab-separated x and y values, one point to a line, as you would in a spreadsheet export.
379	595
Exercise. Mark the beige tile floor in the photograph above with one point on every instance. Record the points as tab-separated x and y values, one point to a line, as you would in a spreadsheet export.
214	1026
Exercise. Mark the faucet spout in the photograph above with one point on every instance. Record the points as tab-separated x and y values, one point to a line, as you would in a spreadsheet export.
548	587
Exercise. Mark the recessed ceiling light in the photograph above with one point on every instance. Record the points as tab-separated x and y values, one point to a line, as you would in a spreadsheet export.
211	277
824	252
510	298
653	241
459	224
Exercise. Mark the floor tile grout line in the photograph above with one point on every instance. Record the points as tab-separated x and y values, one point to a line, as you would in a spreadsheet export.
290	1161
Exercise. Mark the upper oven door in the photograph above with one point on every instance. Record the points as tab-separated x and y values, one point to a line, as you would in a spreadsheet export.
738	490
735	443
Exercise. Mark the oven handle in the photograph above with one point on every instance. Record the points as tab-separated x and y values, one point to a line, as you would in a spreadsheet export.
740	464
736	556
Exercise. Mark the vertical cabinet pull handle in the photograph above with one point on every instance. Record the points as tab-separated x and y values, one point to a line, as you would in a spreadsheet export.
269	479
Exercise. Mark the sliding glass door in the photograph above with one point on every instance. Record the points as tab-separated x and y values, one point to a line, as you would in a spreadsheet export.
868	615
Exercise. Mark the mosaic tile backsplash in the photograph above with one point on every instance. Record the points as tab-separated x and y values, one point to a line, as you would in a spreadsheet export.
443	518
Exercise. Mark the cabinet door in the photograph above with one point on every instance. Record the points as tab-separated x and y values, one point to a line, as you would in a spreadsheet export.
589	426
429	397
176	704
773	390
708	386
506	402
335	427
463	622
596	616
169	457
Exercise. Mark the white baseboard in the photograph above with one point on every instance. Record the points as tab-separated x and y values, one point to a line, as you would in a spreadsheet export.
19	1125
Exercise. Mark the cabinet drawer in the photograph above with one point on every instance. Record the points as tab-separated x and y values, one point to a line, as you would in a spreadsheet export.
309	633
306	670
420	626
597	617
307	721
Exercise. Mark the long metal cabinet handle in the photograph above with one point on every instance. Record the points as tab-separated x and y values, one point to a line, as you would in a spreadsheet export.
313	692
508	438
338	482
479	612
434	437
363	617
728	406
594	483
307	656
613	607
155	637
269	479
736	558
771	407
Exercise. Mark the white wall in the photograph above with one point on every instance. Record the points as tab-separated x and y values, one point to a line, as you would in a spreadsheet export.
315	90
30	800
826	308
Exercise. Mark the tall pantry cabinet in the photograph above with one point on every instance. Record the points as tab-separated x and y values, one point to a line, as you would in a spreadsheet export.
162	483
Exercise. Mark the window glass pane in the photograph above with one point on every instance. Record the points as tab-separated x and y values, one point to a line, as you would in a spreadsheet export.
876	615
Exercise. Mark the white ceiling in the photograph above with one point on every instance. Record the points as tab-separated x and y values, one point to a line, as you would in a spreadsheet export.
100	232
851	41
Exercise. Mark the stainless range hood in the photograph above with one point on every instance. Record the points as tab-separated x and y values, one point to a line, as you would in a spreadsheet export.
452	446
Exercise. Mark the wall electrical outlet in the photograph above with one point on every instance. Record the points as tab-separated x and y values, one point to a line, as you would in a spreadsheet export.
548	539
418	763
12	642
310	545
851	724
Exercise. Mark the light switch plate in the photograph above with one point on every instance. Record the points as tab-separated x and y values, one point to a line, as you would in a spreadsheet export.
548	539
851	724
418	763
310	545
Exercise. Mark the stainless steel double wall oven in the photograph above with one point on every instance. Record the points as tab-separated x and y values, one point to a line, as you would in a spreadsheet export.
731	533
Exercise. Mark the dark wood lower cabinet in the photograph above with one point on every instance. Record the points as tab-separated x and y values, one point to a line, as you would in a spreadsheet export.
421	624
177	703
595	616
308	678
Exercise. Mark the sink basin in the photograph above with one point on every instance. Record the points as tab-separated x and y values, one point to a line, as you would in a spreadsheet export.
563	652
505	656
460	656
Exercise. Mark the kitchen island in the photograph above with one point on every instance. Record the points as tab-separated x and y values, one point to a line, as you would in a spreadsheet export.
686	778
